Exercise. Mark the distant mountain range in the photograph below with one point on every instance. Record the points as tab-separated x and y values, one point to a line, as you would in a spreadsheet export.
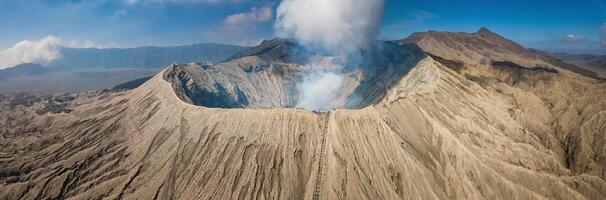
586	61
141	58
25	69
144	57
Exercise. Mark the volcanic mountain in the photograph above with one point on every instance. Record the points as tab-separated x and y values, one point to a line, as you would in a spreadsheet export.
438	115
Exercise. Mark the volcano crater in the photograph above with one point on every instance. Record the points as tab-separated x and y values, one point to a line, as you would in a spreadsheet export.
272	75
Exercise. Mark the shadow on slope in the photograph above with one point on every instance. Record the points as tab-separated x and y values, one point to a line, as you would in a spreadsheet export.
270	76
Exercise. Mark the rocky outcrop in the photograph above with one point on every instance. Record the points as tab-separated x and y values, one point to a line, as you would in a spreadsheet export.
253	80
550	101
444	130
261	77
484	47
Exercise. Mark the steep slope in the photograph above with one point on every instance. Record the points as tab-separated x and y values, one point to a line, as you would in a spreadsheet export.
131	84
446	130
484	47
550	102
270	76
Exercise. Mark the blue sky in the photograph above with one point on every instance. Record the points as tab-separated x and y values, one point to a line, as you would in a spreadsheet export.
543	24
573	26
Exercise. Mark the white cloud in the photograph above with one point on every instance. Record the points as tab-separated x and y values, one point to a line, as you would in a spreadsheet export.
246	21
42	51
241	28
81	44
573	38
330	24
89	44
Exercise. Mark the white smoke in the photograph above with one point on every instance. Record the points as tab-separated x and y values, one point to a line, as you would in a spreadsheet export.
333	25
318	90
42	51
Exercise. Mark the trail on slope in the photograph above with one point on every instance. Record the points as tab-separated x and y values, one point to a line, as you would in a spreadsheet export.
324	116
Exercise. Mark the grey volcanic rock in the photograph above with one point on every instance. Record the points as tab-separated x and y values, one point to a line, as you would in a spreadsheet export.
255	80
485	46
450	128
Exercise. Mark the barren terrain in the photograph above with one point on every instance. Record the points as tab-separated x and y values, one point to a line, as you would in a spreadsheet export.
453	119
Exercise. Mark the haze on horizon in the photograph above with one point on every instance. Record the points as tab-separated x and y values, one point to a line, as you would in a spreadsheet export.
38	26
339	101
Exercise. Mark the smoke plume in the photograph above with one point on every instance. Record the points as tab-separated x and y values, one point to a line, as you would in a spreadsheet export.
337	27
333	25
321	83
319	89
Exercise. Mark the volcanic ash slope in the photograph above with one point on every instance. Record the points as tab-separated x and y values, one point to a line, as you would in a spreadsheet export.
438	133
